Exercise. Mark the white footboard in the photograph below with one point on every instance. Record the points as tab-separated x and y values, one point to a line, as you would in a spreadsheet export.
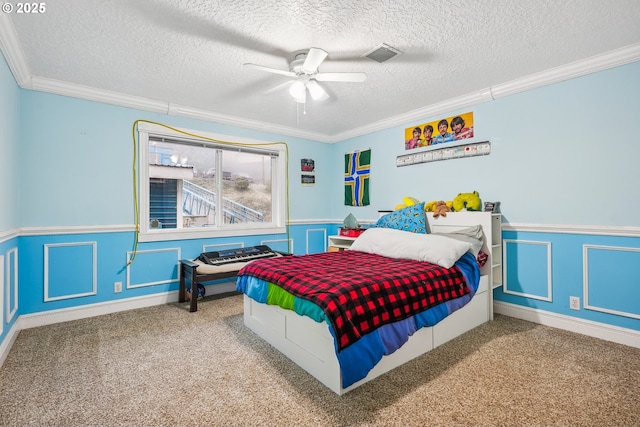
310	344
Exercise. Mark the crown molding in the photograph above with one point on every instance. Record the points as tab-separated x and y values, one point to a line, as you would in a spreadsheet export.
569	71
123	100
15	58
13	52
575	69
73	90
196	113
418	115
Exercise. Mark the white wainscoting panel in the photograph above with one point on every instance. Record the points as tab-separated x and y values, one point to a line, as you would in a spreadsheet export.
545	263
11	287
622	279
222	246
157	266
2	291
322	232
62	258
285	245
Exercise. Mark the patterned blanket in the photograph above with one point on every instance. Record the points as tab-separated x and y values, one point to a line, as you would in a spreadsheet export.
358	291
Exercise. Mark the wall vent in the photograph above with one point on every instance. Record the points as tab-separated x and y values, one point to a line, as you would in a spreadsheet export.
382	53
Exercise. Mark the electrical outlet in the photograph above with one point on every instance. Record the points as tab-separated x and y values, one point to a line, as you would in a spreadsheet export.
574	303
117	287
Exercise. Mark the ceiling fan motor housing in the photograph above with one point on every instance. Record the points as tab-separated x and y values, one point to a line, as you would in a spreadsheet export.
297	63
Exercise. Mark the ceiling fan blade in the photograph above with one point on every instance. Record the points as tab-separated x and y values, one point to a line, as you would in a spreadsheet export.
278	87
316	91
313	60
341	77
270	70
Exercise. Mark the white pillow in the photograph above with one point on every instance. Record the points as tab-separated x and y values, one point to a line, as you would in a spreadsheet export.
392	243
473	235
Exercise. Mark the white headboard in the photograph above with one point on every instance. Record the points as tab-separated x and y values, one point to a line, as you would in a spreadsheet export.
490	226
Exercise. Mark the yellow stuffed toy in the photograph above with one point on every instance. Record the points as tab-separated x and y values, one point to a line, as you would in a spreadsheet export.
467	201
407	201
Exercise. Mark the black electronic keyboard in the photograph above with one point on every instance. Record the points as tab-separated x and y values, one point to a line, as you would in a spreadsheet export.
237	255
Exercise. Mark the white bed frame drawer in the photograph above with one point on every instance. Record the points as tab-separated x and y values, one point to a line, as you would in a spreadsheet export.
307	342
483	286
465	319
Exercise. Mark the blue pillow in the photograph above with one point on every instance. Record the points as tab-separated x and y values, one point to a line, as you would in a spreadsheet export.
411	219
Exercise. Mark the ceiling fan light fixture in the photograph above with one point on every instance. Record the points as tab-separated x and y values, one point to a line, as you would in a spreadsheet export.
298	91
302	99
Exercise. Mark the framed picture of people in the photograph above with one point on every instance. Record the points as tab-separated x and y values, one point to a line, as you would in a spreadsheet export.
308	169
441	131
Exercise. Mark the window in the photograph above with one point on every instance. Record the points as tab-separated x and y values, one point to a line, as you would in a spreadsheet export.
203	185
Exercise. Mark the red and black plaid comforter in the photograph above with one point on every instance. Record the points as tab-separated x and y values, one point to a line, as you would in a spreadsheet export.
358	291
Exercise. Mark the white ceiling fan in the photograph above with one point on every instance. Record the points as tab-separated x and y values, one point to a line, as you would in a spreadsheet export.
304	70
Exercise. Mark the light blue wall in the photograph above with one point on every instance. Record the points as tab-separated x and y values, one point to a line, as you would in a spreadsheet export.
543	270
9	195
9	143
565	154
562	154
77	171
71	266
68	162
76	166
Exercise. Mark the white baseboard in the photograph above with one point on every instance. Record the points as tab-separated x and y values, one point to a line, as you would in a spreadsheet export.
8	341
44	318
75	313
603	331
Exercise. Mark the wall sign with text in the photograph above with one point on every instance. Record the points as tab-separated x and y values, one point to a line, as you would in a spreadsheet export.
445	153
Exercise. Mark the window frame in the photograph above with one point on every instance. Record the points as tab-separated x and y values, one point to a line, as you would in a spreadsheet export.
278	185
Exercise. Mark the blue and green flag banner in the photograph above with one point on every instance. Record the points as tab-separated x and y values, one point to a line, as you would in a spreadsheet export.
357	169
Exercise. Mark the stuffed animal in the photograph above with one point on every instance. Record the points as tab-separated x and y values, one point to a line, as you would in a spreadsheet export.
441	208
407	201
468	201
429	207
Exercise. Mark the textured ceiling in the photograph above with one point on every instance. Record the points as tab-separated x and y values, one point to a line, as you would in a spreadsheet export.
190	52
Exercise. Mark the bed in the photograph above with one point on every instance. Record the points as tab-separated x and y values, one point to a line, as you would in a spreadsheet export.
345	357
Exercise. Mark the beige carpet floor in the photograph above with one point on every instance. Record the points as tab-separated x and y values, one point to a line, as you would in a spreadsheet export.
163	366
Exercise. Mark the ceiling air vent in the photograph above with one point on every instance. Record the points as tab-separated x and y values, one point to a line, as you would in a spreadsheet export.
382	53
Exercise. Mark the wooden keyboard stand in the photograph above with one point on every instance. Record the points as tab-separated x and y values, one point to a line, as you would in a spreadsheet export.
189	271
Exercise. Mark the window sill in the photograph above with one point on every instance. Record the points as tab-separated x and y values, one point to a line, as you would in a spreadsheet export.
186	234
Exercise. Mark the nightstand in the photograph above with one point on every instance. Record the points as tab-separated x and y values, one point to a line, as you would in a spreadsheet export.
340	243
